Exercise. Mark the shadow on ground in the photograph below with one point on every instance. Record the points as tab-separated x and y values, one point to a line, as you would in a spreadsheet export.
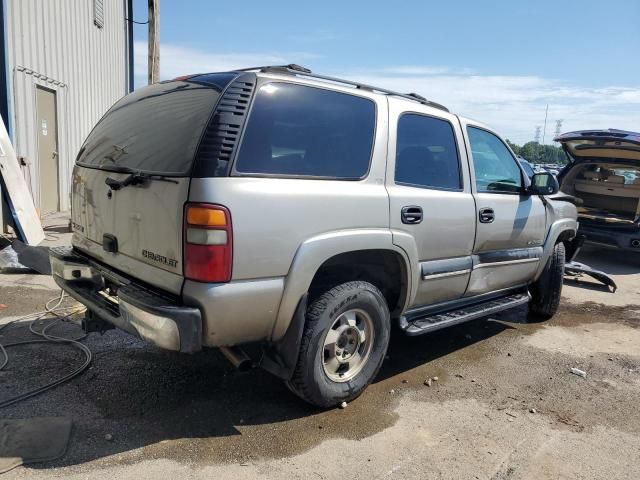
135	396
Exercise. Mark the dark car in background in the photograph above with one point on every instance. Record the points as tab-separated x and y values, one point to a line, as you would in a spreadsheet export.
604	173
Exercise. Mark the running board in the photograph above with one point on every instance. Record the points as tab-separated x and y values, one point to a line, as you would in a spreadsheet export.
437	321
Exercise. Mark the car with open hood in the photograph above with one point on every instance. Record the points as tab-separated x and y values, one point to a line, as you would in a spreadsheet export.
604	174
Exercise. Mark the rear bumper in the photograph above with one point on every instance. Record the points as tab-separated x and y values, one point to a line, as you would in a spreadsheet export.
148	314
627	239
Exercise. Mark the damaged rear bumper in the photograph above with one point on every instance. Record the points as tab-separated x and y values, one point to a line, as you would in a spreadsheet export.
148	314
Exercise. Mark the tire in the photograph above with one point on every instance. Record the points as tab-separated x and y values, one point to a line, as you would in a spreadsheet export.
545	292
352	311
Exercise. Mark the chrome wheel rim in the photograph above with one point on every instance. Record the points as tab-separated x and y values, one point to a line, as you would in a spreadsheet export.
347	345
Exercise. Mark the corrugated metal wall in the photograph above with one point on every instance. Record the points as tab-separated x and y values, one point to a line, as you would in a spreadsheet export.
55	44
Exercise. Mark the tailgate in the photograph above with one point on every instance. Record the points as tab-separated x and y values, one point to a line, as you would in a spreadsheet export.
611	144
146	222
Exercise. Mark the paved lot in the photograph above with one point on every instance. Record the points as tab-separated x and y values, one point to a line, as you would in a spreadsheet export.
140	412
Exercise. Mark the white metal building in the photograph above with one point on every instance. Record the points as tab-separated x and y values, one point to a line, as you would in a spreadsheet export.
65	63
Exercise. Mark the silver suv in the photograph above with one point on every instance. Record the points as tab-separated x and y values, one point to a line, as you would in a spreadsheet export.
307	214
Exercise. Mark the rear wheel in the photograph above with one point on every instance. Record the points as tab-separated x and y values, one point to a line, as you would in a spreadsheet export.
545	292
343	345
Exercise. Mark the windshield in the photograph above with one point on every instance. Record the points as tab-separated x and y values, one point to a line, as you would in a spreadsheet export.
153	130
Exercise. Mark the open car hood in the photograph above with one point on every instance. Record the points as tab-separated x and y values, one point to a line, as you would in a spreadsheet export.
585	145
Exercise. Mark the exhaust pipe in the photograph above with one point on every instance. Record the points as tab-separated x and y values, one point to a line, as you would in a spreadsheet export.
635	243
237	358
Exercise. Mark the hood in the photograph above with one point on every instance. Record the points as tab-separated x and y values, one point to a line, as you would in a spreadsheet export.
615	145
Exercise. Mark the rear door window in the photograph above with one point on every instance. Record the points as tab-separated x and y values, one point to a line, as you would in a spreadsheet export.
299	131
426	153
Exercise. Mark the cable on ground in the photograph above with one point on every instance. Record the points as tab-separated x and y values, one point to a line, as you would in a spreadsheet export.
59	314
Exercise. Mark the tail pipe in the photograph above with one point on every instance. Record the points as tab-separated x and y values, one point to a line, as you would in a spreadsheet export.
237	358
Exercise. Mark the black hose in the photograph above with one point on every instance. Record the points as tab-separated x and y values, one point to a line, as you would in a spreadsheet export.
46	338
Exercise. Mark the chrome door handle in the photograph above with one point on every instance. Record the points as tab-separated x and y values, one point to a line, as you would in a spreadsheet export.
411	214
486	215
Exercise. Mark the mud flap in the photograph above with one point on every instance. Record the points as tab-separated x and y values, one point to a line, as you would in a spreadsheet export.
576	269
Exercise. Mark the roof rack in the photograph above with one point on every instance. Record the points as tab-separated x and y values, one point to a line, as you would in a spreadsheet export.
293	69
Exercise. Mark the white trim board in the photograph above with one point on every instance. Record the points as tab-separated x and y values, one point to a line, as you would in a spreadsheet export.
25	216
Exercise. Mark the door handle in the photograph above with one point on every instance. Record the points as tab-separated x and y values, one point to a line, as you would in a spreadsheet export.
486	215
411	214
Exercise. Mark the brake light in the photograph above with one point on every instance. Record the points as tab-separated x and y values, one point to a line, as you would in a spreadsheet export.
208	243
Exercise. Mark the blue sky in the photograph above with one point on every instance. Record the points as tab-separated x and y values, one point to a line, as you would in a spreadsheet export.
500	62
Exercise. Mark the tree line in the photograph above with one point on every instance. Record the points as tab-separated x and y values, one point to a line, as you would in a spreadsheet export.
534	152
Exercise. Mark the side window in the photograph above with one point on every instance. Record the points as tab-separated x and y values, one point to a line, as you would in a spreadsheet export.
495	168
426	153
294	130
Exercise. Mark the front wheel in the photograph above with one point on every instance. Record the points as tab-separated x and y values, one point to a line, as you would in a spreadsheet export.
343	345
545	292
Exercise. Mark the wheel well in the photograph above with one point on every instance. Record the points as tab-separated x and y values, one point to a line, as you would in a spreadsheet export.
568	238
565	236
385	269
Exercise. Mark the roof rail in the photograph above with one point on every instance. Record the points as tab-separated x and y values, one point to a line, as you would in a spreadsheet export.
293	69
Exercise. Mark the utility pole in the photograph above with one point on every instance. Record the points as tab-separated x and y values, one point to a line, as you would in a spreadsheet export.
544	130
536	138
542	155
558	127
154	41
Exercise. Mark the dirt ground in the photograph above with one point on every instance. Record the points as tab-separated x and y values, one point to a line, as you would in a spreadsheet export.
505	405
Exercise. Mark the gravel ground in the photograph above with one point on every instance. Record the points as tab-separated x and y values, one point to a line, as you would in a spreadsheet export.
504	406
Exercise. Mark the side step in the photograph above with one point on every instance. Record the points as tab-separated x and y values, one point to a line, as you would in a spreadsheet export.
437	321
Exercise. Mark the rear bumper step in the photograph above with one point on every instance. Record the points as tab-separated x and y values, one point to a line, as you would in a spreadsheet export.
136	309
437	321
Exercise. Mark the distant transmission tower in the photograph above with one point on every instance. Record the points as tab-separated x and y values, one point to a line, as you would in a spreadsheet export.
558	127
536	138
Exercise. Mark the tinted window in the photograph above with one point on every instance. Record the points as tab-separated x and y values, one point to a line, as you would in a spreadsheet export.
155	129
528	169
426	153
298	130
495	168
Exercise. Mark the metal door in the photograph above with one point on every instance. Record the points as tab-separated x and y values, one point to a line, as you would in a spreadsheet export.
431	205
47	131
511	222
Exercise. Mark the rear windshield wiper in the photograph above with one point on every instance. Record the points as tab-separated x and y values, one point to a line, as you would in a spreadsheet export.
136	178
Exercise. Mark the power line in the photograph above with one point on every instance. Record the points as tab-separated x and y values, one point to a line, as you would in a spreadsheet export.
134	21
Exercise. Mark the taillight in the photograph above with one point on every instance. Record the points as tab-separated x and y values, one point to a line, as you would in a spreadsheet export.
208	243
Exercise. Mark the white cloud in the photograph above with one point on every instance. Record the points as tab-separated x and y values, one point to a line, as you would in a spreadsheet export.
414	70
515	105
177	60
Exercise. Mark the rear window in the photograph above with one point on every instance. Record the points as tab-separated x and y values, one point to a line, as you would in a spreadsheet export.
294	130
155	129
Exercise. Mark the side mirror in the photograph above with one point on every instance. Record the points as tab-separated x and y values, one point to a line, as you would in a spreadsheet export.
543	183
